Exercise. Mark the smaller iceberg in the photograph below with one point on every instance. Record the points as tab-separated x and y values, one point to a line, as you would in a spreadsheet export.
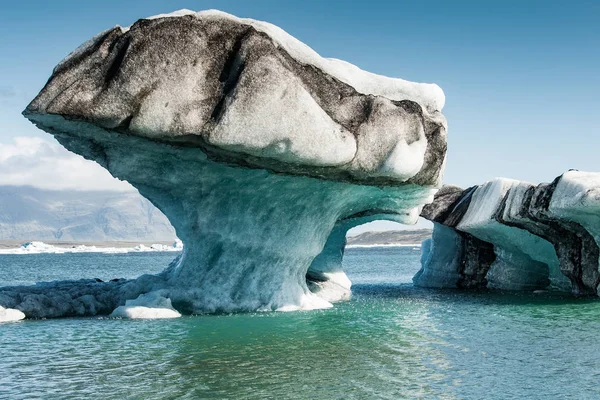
517	235
10	314
147	306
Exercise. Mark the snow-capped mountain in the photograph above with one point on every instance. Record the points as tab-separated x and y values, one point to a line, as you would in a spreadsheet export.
28	213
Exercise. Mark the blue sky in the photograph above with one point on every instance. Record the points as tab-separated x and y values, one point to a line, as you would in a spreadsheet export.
520	77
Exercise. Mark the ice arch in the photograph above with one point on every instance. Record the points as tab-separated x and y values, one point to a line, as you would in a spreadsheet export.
325	276
250	143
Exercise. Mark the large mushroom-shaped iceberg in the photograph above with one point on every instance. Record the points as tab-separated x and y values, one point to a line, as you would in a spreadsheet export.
252	145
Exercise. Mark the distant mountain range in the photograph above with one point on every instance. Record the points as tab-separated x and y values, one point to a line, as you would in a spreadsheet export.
390	238
28	213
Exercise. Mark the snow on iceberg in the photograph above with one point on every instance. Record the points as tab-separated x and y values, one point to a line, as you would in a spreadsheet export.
250	143
576	198
542	235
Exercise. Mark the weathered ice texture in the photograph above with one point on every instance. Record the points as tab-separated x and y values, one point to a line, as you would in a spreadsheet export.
452	258
247	93
441	258
541	234
576	199
252	145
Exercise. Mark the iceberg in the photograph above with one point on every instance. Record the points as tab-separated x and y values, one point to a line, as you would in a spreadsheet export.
542	235
10	315
257	150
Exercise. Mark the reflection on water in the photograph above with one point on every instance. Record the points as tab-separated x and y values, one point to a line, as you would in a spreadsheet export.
390	341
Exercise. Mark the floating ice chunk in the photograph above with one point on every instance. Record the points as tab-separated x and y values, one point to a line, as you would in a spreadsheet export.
309	301
39	247
141	312
147	306
155	247
10	314
330	286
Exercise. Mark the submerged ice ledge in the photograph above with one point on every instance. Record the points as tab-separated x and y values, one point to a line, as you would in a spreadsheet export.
260	153
515	235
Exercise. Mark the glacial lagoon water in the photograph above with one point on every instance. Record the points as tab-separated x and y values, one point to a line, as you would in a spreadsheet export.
390	341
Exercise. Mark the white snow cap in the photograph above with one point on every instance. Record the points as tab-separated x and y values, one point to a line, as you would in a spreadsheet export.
578	189
429	95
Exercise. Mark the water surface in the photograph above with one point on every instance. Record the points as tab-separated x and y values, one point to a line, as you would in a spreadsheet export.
390	341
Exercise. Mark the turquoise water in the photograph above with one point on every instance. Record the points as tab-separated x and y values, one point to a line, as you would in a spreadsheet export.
390	341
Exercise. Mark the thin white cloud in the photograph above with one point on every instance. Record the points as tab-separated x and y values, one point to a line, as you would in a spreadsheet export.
46	164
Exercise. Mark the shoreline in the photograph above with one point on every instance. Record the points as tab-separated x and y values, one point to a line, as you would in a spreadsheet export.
15	244
54	247
8	247
358	246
